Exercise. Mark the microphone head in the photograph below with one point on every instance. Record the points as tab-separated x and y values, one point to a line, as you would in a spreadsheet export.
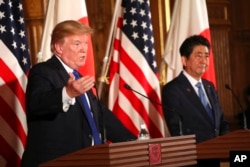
227	86
127	86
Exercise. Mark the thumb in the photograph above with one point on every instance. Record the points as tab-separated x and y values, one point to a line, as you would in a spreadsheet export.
69	87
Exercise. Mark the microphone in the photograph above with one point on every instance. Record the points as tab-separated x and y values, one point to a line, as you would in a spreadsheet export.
129	88
104	133
238	101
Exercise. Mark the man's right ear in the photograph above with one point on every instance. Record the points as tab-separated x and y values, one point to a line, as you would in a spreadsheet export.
58	48
184	60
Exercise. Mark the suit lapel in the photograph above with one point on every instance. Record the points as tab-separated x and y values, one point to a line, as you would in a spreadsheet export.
189	91
209	91
190	94
60	69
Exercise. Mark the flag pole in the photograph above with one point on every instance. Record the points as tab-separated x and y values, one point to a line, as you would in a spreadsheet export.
49	14
106	59
163	65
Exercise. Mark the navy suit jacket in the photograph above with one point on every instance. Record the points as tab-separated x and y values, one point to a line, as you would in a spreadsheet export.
185	114
53	132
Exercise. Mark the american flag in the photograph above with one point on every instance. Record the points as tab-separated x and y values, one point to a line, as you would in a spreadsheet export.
14	63
133	63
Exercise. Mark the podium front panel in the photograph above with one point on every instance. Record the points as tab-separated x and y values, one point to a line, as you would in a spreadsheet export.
174	151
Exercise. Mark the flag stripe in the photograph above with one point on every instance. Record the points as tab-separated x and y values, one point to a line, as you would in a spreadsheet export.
133	63
10	79
9	155
125	119
11	106
13	121
11	141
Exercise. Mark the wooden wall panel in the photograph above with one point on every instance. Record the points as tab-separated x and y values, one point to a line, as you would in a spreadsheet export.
222	61
219	12
100	16
34	31
240	49
232	51
34	18
240	14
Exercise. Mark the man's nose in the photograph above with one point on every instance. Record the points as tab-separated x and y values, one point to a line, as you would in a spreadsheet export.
84	48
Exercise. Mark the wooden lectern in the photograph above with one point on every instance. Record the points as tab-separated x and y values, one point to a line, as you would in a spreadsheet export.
220	147
170	151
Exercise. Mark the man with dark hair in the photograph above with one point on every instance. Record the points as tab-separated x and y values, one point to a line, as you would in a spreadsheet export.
190	103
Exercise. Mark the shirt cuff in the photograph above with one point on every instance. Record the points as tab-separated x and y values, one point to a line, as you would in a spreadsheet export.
66	100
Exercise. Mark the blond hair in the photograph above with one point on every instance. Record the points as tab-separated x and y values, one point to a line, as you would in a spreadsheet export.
67	28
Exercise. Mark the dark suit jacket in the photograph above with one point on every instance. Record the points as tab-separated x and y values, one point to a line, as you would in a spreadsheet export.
52	132
184	112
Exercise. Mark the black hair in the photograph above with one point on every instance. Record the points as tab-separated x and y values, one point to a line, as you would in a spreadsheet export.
188	45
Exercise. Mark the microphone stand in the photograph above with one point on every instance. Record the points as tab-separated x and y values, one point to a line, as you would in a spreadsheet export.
242	110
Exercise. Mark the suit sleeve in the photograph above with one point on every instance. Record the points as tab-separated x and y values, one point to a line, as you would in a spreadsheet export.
116	131
170	104
44	93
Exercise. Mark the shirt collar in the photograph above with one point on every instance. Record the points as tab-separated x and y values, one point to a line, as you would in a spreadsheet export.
66	67
191	79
